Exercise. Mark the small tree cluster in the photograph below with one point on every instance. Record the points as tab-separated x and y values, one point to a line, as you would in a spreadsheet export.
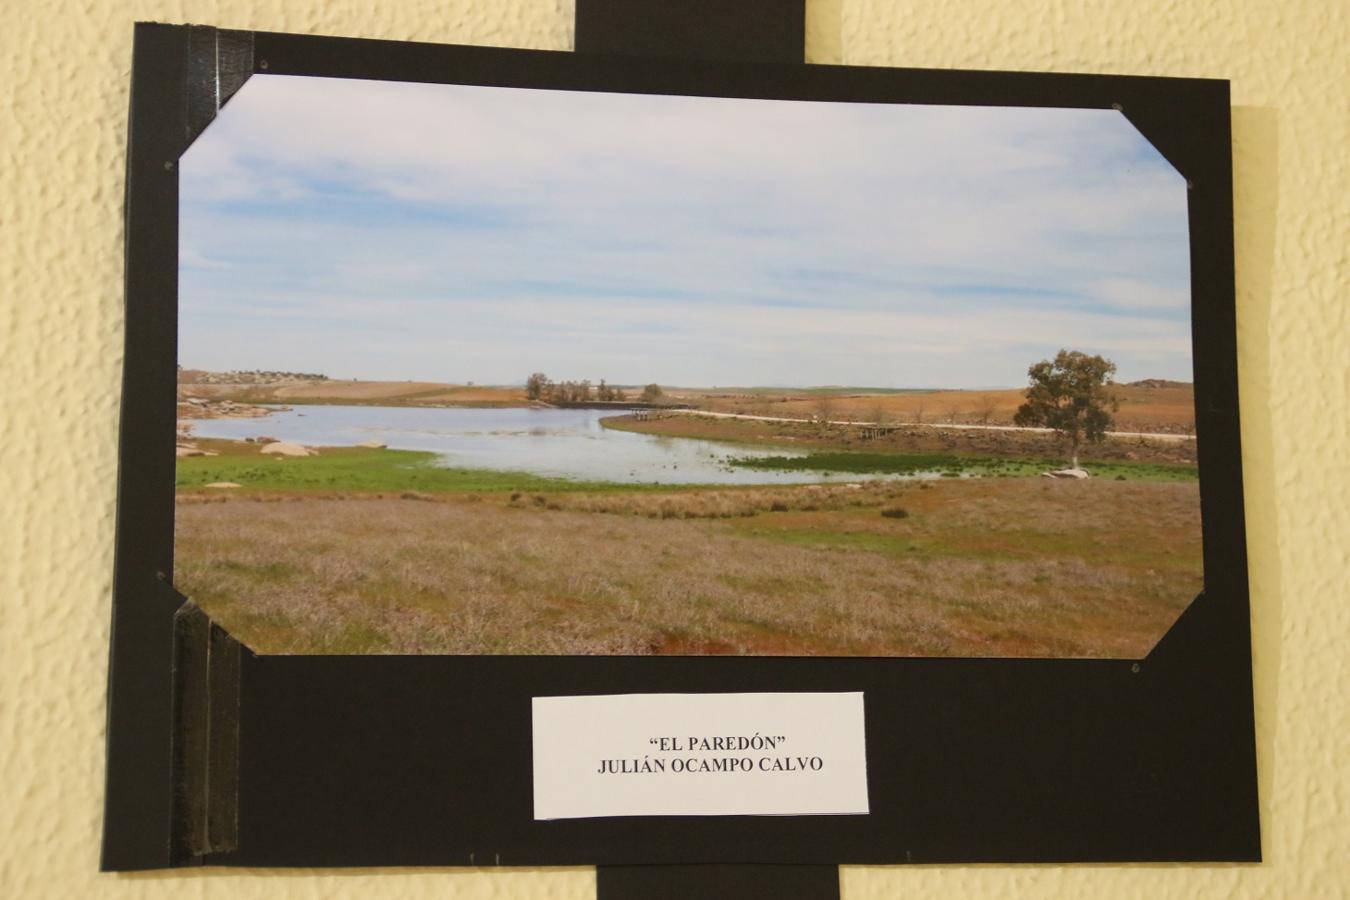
571	391
539	387
608	394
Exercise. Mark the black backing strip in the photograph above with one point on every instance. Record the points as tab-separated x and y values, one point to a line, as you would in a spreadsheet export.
717	882
702	29
770	31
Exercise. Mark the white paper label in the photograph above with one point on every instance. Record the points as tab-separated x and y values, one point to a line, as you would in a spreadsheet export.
699	755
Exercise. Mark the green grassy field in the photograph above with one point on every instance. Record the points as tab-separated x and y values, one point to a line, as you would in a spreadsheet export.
357	470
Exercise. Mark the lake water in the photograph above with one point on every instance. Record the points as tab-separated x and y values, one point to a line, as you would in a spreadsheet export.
566	443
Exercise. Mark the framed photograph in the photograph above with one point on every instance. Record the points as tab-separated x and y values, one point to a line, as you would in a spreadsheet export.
538	458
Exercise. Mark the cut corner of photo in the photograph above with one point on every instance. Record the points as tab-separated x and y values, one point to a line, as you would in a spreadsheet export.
479	370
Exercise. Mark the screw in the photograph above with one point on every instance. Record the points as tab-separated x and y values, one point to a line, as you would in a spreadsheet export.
262	64
168	165
1134	667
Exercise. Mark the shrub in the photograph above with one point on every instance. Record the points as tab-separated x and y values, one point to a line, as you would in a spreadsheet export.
895	512
417	495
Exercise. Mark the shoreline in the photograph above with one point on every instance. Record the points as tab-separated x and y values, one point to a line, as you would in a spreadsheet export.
249	468
991	442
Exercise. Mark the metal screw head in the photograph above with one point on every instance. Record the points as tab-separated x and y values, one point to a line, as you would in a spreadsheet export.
1134	667
168	165
262	64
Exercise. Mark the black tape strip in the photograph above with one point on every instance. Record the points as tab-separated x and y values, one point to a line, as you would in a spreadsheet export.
205	737
219	62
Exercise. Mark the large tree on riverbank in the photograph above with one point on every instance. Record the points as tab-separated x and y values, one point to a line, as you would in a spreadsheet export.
1071	394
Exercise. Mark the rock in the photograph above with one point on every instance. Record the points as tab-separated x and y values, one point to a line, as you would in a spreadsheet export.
188	451
283	448
1068	473
264	439
372	445
223	484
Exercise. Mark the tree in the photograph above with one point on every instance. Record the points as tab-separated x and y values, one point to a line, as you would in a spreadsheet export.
1071	394
536	386
985	408
652	392
824	410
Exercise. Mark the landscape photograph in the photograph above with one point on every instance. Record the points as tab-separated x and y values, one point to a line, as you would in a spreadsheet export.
492	371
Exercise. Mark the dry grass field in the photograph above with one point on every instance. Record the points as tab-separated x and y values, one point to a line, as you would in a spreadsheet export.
971	567
376	393
1167	407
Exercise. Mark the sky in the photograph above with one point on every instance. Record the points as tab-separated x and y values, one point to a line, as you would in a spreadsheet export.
385	230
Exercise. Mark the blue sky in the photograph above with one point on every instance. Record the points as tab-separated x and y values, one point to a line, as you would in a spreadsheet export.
450	233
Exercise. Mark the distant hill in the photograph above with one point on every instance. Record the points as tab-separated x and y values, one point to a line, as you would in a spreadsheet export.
1154	383
254	376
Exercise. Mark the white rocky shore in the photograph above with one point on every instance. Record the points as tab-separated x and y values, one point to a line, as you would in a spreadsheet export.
190	407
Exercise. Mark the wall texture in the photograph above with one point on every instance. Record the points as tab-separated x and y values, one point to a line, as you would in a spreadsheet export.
62	138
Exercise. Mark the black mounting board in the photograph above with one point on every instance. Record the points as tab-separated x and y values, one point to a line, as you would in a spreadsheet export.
379	761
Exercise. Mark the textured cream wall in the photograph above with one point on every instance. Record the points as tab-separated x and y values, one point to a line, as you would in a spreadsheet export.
62	136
